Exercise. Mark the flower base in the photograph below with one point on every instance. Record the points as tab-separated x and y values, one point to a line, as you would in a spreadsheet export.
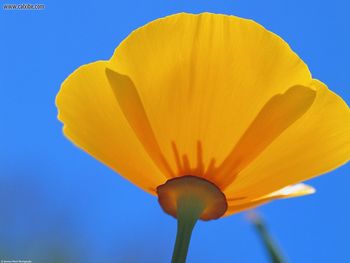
189	198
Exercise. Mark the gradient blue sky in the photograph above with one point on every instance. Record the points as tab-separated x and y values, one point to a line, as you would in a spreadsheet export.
54	197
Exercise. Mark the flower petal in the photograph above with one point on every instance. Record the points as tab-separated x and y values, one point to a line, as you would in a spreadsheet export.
292	191
94	122
279	113
202	79
131	105
286	192
317	143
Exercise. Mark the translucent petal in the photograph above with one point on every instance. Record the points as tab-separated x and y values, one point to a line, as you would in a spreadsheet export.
277	115
94	122
202	79
235	206
317	143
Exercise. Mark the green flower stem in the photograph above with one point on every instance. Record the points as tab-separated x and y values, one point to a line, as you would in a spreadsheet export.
189	210
272	249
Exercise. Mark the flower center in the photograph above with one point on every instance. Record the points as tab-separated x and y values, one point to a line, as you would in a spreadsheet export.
195	193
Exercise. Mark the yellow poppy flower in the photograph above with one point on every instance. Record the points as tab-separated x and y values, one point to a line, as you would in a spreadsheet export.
212	113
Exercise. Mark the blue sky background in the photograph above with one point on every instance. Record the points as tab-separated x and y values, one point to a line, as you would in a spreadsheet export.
57	200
